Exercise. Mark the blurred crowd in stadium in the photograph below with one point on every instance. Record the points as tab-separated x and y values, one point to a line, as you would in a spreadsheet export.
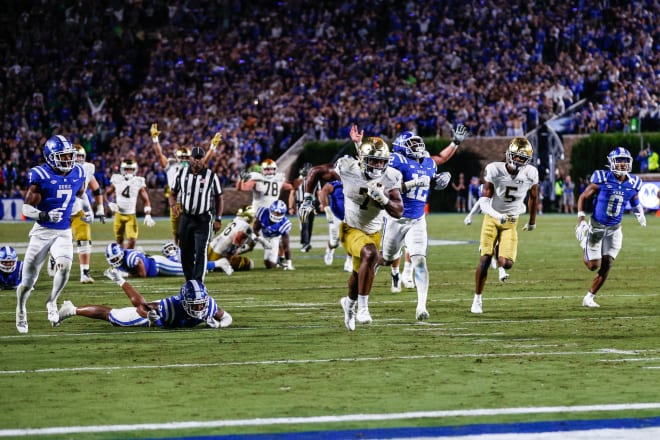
265	73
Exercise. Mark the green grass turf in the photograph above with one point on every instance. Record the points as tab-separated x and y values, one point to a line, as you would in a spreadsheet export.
288	353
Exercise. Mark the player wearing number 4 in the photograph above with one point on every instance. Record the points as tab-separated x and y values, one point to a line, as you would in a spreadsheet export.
602	238
502	201
371	188
52	190
418	169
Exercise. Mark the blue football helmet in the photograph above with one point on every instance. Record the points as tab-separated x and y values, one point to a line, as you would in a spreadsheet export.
620	161
114	253
194	299
410	145
170	249
277	211
59	153
8	259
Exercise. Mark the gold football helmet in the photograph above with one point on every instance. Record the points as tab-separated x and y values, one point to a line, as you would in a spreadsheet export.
128	168
519	153
182	154
81	154
268	167
247	213
374	156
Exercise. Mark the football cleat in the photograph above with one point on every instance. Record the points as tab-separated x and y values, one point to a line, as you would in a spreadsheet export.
21	321
349	313
224	264
588	301
407	281
86	279
503	275
53	313
67	310
396	283
329	256
476	305
421	314
363	316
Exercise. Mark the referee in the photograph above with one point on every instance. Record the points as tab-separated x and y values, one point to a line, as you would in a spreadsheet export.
200	211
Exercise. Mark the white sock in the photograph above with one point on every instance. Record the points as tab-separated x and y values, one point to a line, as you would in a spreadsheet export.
363	302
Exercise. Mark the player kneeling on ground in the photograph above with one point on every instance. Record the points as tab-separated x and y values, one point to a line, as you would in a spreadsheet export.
191	307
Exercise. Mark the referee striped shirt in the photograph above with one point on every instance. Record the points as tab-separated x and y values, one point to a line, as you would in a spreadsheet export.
198	191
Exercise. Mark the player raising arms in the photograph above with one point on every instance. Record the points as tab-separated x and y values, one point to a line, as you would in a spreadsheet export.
417	169
52	189
128	186
502	201
370	189
266	186
602	237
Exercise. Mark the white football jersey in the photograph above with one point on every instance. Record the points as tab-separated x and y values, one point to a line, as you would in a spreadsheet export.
88	170
510	191
361	212
237	232
171	170
266	190
127	191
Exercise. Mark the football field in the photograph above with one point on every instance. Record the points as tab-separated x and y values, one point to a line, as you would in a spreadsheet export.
288	365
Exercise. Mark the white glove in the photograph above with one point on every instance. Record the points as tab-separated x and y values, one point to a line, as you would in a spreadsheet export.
212	322
375	191
113	206
418	181
306	209
114	275
442	180
55	215
153	317
467	220
582	230
149	221
289	265
266	245
529	227
459	135
87	217
639	213
329	215
100	213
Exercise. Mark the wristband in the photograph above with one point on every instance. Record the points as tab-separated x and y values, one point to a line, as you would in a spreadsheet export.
218	218
147	210
581	214
154	139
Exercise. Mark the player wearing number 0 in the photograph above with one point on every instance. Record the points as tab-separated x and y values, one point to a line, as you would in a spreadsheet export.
418	169
502	201
602	238
52	191
371	188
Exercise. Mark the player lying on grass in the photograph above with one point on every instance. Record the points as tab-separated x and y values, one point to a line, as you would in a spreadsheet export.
191	307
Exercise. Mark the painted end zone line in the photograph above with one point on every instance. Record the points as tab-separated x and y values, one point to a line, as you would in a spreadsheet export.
326	419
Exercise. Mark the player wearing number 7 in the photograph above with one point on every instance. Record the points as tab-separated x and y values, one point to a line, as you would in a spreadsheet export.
52	191
502	201
601	238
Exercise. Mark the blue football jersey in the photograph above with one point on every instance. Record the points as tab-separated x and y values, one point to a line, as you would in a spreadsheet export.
131	261
336	199
613	196
414	200
270	229
12	279
57	192
173	315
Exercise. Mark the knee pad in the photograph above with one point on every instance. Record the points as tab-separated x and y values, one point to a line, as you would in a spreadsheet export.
84	246
62	264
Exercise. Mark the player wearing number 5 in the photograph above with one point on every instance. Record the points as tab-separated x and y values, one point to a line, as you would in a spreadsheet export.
371	188
127	186
502	201
602	238
52	190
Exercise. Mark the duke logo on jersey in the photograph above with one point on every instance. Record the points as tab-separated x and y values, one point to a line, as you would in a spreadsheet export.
414	200
57	192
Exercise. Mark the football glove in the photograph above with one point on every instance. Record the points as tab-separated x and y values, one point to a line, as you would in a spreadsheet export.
529	227
154	132
582	230
100	213
418	181
149	221
442	180
245	175
87	217
153	317
212	322
216	141
55	215
639	213
459	135
113	206
329	216
262	241
114	275
376	192
306	209
467	220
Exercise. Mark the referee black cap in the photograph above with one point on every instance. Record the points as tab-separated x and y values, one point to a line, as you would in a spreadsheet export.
197	152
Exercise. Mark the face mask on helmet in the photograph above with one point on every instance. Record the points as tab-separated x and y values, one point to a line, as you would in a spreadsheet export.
182	155
519	153
59	153
374	156
128	168
268	167
194	299
81	154
620	161
277	211
8	259
246	213
114	253
170	249
410	145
